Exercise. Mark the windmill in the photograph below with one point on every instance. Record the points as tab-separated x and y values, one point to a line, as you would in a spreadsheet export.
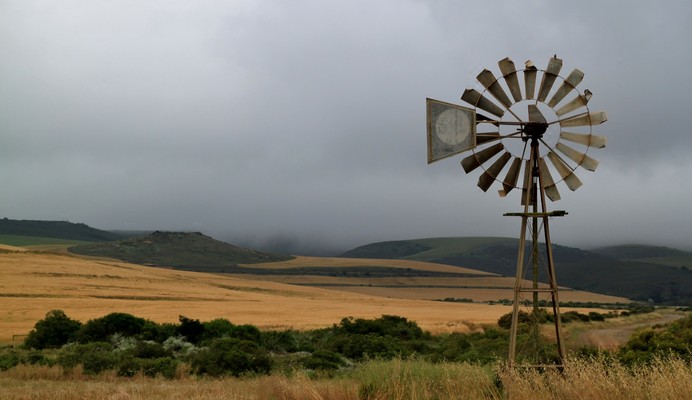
509	139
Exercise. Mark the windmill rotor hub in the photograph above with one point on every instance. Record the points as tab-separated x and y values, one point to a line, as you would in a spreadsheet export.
535	130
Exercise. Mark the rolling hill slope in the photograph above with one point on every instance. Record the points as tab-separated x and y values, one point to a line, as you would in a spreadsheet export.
180	250
57	230
635	278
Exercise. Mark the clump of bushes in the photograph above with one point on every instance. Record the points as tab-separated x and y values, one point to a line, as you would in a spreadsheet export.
130	345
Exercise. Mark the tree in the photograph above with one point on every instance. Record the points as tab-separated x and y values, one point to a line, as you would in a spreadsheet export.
55	330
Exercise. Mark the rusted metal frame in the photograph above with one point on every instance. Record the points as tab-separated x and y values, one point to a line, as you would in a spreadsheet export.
552	276
520	267
537	187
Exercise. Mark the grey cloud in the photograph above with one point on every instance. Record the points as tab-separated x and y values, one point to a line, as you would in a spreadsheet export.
265	120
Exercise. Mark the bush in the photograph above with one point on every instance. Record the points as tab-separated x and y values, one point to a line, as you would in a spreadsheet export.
228	356
94	357
647	344
55	330
9	358
281	341
100	329
152	367
191	329
322	360
145	349
595	316
157	332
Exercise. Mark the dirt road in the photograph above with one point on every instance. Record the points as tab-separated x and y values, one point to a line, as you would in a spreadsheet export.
611	338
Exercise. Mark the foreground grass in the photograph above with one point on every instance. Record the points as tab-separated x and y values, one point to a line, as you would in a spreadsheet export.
372	380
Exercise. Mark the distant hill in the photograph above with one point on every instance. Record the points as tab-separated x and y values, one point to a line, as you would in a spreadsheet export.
626	271
56	230
180	250
648	254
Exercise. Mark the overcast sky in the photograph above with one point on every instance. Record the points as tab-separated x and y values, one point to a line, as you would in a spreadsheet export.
303	122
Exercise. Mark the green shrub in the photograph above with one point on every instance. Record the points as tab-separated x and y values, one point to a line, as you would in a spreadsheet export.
282	341
144	349
191	329
55	330
9	358
94	357
101	329
152	367
596	316
322	360
157	332
647	344
229	356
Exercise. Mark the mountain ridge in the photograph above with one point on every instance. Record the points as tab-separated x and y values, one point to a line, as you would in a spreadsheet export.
609	270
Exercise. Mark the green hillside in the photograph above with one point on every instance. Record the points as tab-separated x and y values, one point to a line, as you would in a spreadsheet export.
614	272
648	254
181	250
12	229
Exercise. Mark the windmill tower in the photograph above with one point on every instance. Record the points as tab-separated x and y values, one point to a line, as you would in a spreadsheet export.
509	139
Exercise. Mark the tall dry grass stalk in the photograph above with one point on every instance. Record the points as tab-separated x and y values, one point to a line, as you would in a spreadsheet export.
414	379
373	380
602	379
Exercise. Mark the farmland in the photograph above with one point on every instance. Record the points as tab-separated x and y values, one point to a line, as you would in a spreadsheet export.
86	288
32	284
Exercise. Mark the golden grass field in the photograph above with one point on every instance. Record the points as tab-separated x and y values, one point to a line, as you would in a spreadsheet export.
482	286
31	284
374	380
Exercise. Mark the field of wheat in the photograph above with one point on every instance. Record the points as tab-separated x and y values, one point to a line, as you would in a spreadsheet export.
478	285
31	284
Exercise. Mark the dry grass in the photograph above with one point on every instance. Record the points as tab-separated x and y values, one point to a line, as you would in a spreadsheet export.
375	380
599	379
300	262
31	284
483	286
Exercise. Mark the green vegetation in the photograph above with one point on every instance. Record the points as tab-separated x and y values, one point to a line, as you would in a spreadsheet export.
181	250
635	272
22	241
131	345
44	230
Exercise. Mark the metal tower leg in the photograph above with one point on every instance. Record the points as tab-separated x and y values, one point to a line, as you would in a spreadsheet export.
531	199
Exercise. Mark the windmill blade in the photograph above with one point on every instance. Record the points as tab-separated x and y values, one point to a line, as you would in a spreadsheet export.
578	157
549	76
530	79
491	174
535	114
594	118
586	139
574	78
476	159
488	80
510	73
510	181
527	185
572	181
476	99
577	102
547	181
487	137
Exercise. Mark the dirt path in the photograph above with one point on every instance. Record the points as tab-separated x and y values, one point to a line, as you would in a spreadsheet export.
611	338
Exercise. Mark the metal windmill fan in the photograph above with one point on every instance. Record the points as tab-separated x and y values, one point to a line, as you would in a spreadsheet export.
521	132
526	112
